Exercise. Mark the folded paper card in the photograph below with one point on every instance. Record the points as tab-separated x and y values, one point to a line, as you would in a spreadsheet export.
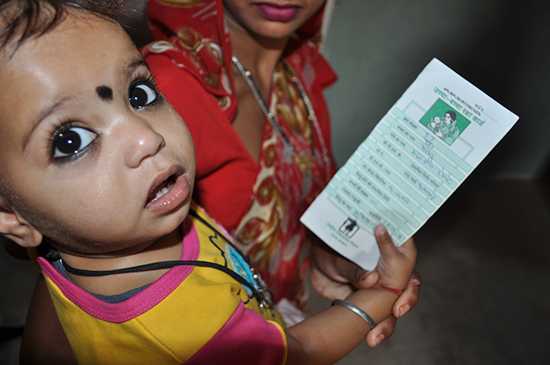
440	129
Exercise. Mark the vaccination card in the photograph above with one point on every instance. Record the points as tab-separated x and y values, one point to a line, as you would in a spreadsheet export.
431	139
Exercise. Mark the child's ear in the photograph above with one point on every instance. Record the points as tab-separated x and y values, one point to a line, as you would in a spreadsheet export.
16	228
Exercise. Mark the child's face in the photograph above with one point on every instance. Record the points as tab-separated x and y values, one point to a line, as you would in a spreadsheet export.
272	19
93	157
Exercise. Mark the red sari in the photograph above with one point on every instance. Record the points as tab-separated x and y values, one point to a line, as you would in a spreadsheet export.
260	202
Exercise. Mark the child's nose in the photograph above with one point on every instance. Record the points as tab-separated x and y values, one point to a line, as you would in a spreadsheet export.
143	142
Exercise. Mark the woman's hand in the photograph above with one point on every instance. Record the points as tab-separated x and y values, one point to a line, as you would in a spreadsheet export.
335	277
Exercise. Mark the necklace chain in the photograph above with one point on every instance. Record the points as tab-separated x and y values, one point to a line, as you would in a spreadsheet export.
262	104
257	287
254	88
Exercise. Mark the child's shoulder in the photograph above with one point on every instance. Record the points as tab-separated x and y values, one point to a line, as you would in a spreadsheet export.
202	220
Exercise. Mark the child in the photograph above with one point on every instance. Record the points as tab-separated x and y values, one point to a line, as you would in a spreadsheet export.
258	197
98	166
435	126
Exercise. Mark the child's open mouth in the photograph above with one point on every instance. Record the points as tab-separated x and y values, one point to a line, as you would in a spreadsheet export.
162	189
168	191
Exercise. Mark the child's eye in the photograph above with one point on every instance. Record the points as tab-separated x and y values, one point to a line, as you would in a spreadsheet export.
71	141
141	94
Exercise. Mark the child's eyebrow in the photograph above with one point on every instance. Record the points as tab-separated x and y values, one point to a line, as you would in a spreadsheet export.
129	69
134	64
43	115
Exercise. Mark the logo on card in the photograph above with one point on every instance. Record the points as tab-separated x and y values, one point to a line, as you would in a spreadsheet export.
349	227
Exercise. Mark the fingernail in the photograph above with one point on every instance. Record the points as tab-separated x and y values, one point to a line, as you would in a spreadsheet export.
404	309
416	282
380	229
379	339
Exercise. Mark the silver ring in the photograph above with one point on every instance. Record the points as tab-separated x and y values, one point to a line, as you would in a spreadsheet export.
355	309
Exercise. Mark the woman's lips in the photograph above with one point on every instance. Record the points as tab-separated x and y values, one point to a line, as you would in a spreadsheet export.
177	194
278	13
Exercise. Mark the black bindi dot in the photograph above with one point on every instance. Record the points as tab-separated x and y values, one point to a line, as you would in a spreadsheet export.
104	92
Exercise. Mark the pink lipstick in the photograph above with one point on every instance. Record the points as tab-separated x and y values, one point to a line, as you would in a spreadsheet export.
278	13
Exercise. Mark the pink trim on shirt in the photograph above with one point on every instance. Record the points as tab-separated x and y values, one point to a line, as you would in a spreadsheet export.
140	302
245	339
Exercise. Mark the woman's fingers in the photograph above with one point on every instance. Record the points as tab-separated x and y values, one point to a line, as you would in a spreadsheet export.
409	298
327	287
381	332
368	279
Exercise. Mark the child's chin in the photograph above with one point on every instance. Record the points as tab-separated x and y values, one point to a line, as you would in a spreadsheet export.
176	218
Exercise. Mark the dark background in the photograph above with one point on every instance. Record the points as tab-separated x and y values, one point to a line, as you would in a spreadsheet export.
379	47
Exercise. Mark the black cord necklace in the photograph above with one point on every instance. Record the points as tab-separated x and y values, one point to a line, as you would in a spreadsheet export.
258	288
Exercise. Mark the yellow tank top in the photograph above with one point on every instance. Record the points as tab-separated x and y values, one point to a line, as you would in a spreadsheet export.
191	315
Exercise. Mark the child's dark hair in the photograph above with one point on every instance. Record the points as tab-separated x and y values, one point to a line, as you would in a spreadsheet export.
24	19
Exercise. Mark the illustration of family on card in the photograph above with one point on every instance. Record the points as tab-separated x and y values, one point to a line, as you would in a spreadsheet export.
445	122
